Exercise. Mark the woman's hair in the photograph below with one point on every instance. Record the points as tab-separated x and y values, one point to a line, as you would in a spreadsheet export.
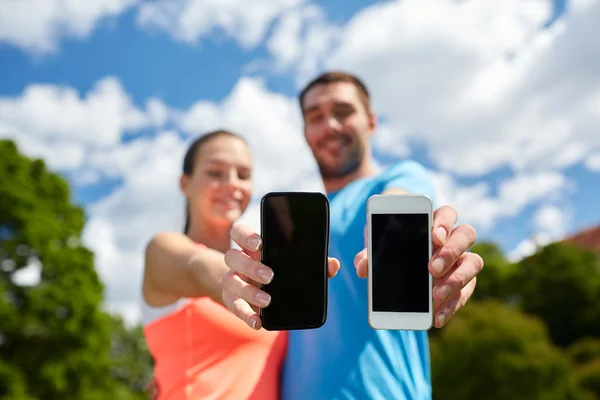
189	161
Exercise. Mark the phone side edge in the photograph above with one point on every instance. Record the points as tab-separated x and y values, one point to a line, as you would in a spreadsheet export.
262	224
370	202
431	317
326	281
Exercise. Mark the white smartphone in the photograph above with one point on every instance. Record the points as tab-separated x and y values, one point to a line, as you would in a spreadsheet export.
399	250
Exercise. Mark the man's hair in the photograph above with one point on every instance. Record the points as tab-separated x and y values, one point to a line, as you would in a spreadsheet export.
334	77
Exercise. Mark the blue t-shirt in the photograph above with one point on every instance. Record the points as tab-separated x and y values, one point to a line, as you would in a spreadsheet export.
346	358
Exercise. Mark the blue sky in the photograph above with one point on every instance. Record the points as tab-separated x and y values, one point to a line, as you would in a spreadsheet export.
150	62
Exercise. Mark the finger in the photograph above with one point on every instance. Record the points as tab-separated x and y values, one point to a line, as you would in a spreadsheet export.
467	267
361	264
242	310
245	237
461	239
444	219
446	311
242	263
235	285
333	266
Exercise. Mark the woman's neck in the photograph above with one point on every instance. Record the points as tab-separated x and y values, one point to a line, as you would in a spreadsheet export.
214	237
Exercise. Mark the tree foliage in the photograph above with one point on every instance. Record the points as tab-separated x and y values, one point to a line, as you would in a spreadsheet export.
55	341
585	356
561	285
493	351
492	280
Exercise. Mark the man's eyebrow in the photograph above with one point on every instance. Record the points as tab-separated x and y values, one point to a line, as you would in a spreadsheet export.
310	109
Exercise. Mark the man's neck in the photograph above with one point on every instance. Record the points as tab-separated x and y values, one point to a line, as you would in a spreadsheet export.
366	169
216	238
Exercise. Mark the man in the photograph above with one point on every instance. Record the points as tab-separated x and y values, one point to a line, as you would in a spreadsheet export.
345	358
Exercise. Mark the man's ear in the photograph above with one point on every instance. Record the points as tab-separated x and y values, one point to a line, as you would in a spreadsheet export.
372	122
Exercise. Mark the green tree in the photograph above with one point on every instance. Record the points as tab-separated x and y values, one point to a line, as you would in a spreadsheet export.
54	337
561	285
492	280
585	356
132	364
493	351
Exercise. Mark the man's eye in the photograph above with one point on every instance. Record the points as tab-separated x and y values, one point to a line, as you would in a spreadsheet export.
315	118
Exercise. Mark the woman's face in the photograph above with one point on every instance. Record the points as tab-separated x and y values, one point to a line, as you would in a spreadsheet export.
220	187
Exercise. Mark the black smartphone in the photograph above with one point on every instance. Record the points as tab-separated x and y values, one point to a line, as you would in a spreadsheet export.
295	234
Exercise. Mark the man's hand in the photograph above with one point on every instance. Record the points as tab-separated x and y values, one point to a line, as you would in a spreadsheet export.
453	269
241	294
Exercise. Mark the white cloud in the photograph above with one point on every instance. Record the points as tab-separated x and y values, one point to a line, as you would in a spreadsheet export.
190	20
593	162
552	220
30	275
38	25
549	224
62	126
478	82
476	205
301	40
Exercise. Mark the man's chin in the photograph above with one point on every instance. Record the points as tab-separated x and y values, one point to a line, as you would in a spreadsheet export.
338	172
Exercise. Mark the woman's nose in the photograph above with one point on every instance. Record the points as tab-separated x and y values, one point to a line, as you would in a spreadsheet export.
232	181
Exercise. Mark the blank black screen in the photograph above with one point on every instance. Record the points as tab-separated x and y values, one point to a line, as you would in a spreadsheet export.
295	231
399	262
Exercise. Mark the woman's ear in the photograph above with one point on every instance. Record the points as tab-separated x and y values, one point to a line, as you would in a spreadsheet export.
184	181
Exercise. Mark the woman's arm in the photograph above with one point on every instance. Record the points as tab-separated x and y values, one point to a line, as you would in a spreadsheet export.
176	267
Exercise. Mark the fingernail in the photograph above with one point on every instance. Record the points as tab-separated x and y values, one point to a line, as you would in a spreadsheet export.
359	260
265	274
443	292
253	322
263	299
361	264
442	319
441	234
254	243
438	265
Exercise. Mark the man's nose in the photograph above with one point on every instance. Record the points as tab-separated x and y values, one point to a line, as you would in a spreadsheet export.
332	125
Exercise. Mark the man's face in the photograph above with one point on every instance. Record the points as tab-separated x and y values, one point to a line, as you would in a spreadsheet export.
337	127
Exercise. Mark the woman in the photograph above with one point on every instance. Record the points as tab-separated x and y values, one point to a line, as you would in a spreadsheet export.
202	350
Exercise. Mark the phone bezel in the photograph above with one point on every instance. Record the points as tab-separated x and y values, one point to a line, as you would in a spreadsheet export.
399	204
267	325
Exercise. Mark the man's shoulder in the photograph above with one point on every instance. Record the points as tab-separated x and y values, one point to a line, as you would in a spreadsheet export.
403	168
407	175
